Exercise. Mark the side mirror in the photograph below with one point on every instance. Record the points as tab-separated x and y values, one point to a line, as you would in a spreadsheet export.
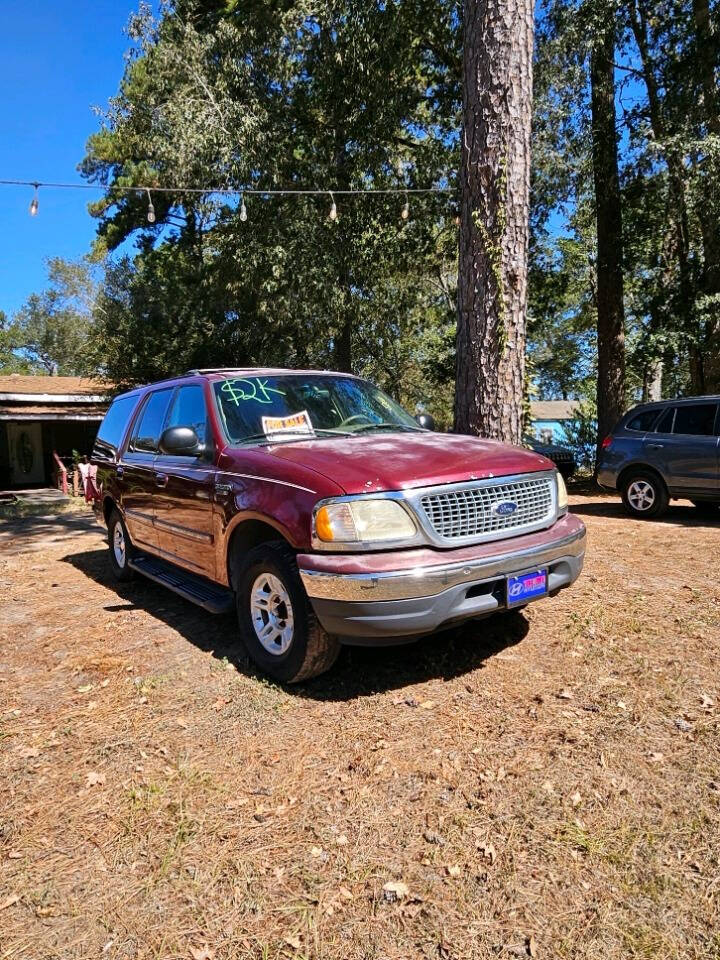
426	421
180	442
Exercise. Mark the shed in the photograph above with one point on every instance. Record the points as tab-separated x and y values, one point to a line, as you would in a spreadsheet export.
44	416
548	419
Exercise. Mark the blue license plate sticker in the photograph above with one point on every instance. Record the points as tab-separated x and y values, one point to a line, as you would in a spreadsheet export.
526	586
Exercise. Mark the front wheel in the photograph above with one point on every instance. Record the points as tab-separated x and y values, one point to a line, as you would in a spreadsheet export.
644	495
277	624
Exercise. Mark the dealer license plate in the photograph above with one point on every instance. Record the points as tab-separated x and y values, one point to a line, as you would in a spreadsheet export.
523	587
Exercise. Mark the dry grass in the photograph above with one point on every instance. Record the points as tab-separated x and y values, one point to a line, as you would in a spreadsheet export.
545	784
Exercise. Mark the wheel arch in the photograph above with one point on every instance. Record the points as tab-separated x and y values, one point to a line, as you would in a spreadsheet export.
640	467
248	533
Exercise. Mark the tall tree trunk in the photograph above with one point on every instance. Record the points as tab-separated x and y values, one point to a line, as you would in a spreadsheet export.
608	210
684	305
706	60
495	187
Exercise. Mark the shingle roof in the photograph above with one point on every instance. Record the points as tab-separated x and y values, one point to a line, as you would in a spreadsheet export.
52	386
553	409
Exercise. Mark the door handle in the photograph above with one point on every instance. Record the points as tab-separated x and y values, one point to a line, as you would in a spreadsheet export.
655	446
119	471
161	479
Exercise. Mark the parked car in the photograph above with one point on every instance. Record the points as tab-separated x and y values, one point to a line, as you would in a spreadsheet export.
319	509
562	457
663	451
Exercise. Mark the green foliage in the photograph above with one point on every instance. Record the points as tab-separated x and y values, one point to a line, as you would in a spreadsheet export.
50	331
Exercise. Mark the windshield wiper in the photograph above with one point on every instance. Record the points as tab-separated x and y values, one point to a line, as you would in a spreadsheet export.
388	426
290	437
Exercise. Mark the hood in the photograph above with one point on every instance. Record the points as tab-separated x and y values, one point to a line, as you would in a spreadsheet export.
401	461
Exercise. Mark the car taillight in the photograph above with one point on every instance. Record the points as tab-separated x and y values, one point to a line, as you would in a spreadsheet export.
607	441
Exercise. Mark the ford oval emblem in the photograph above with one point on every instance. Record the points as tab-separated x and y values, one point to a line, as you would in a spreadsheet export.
505	508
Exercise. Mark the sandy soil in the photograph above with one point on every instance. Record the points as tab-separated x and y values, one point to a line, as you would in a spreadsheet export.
542	785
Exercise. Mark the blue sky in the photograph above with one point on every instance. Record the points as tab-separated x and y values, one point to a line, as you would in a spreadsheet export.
59	59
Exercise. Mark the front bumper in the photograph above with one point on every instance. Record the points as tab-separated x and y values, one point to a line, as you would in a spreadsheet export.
428	589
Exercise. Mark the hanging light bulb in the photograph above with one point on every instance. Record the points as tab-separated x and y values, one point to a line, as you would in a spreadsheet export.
333	208
405	212
34	203
150	210
243	210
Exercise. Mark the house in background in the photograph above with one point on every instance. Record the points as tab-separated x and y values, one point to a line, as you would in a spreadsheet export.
548	419
41	416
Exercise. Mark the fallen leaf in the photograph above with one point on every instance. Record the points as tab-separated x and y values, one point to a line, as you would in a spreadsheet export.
293	942
621	705
85	689
279	873
395	890
94	779
15	855
453	870
532	946
317	852
656	757
565	694
29	753
428	704
9	902
576	799
342	840
202	953
345	893
707	701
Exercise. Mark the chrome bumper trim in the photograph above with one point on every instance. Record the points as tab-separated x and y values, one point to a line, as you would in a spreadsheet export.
431	580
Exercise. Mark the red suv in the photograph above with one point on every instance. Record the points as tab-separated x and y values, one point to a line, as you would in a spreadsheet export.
323	512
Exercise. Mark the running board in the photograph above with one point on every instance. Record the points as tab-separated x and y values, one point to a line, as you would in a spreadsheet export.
209	596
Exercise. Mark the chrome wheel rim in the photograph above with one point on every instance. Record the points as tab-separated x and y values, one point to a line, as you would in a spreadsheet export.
271	613
641	495
119	545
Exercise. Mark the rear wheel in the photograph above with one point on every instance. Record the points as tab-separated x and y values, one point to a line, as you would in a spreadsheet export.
121	549
277	624
644	495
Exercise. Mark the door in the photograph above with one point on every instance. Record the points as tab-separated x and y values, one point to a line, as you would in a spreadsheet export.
137	469
684	448
183	502
26	454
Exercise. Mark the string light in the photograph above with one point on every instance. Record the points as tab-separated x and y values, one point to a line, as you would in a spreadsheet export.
241	192
151	209
34	203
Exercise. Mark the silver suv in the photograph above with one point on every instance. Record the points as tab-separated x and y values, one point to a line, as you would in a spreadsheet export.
665	450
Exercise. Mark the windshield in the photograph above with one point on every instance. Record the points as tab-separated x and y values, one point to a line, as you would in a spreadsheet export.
282	408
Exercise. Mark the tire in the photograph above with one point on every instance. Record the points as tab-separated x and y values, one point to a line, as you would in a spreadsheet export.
707	508
644	495
270	597
121	548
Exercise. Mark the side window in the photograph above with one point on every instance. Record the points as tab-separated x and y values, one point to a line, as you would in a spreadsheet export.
189	410
666	421
696	419
112	429
643	421
150	423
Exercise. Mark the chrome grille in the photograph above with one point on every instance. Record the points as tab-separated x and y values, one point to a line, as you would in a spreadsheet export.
467	512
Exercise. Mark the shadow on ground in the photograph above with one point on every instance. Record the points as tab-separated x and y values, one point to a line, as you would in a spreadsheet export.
358	672
31	533
684	514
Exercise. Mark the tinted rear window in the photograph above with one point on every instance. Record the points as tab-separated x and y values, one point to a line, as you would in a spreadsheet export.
696	419
666	421
643	421
112	428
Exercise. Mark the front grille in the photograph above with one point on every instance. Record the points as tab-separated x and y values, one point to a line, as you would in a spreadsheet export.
467	512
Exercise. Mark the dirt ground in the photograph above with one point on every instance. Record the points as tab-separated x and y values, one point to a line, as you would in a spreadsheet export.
543	785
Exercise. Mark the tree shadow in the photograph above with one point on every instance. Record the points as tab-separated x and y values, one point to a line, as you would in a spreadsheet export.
360	671
678	514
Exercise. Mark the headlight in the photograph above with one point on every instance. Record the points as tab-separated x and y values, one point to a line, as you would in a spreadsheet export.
562	500
363	520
